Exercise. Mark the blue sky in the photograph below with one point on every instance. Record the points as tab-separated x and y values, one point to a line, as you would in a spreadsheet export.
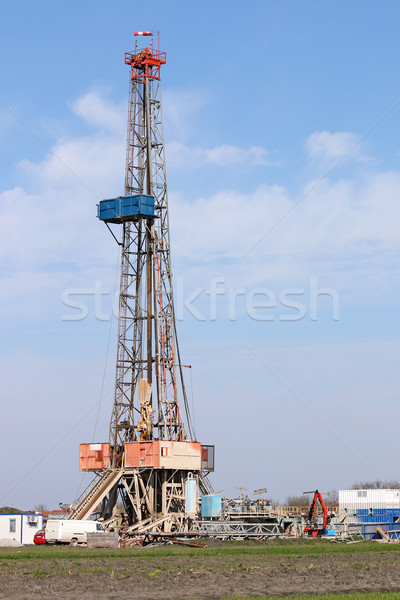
282	138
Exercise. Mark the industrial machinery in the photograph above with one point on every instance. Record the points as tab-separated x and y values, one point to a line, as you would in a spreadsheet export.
313	529
152	461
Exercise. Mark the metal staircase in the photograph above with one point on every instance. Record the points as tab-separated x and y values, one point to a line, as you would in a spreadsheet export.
94	494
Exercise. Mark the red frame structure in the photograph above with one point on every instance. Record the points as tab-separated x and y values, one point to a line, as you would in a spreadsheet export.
145	63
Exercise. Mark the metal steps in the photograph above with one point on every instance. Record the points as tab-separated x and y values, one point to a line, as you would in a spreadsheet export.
94	493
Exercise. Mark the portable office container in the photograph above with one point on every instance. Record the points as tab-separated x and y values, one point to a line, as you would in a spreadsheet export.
353	501
20	527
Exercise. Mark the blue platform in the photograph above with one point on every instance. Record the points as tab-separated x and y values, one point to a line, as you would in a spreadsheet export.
126	208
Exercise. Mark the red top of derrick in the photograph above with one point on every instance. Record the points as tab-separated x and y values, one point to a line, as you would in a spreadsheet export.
145	62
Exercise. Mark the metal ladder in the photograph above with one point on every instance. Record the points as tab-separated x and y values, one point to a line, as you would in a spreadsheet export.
94	494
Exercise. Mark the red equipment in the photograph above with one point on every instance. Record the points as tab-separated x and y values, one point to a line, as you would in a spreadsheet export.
313	529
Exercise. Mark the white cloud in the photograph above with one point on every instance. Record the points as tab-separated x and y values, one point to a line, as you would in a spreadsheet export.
342	216
342	229
51	238
346	231
100	113
184	157
332	146
93	163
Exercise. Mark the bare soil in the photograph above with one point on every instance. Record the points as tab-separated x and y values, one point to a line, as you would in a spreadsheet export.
196	577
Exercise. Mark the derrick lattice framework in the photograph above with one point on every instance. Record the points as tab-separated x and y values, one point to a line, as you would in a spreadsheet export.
152	461
147	330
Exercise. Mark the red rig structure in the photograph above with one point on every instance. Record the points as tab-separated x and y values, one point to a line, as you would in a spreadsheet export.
152	461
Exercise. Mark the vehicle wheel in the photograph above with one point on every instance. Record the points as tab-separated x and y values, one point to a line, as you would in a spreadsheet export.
73	542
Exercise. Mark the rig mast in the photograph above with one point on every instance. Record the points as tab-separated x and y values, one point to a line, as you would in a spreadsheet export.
152	460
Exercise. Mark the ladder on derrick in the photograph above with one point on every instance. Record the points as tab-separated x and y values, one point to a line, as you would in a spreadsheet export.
94	493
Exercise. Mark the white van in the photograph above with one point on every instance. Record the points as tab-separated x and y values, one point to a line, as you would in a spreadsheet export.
73	532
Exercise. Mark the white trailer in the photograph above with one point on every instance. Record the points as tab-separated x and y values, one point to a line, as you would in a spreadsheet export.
70	531
20	527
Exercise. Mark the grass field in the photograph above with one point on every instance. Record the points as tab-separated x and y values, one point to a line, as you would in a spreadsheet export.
299	547
223	570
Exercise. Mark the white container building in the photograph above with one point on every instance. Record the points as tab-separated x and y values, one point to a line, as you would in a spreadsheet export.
20	527
352	501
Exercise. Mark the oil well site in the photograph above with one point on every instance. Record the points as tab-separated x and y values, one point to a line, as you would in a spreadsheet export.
150	479
154	520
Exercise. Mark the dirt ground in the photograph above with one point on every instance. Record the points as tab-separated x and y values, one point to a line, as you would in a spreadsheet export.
196	577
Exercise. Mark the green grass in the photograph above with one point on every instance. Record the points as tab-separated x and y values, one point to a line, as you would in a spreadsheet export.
311	548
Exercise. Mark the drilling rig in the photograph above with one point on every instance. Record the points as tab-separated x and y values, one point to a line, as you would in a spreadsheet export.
152	462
